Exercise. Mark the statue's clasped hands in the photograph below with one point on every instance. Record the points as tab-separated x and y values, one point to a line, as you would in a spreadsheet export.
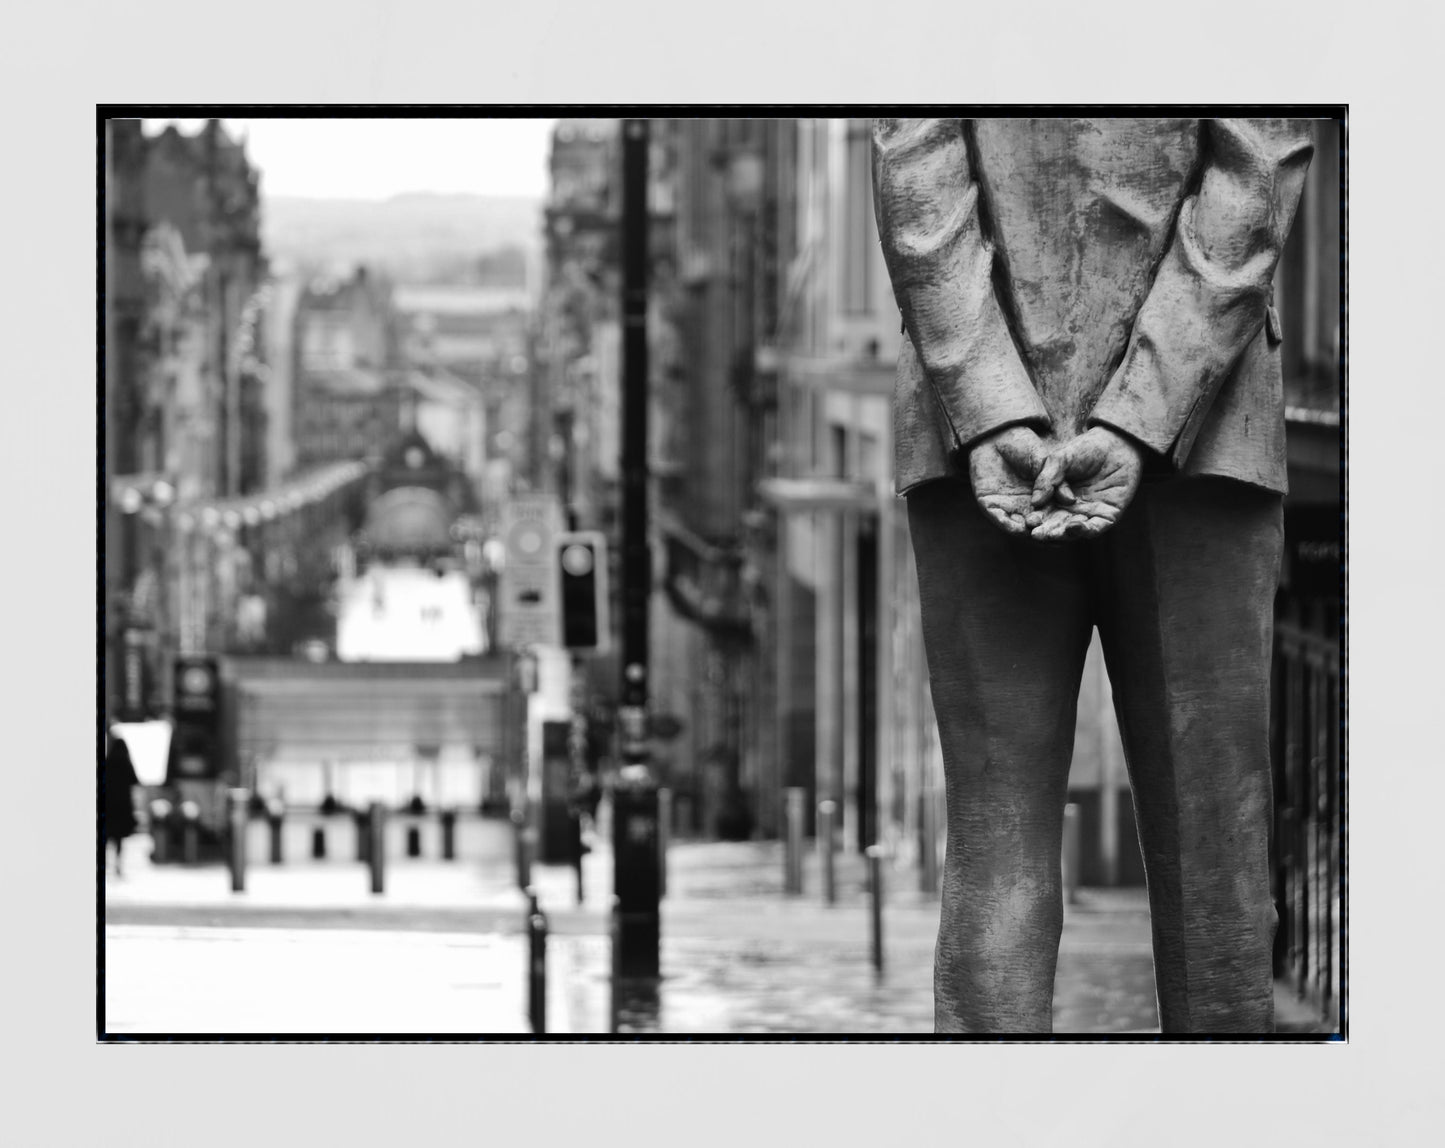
1055	492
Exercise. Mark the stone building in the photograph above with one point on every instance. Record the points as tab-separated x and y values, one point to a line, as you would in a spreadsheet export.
207	530
466	348
349	386
186	408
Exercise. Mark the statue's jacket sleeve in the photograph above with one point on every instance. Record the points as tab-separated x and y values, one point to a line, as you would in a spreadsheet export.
941	266
1211	295
1165	332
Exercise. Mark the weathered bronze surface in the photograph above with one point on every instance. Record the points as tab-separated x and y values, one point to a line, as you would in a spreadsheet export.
1090	430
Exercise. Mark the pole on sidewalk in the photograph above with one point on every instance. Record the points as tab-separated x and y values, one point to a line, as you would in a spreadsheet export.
614	996
363	837
275	813
795	801
664	836
160	825
875	888
318	843
238	819
928	841
522	842
190	832
579	850
376	845
1072	852
537	963
449	834
634	794
827	849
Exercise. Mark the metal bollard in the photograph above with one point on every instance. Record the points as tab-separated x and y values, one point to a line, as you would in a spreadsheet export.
928	841
238	817
449	834
413	840
794	810
664	836
827	849
318	843
537	978
190	832
376	846
1072	852
579	850
160	826
523	858
614	999
875	888
275	814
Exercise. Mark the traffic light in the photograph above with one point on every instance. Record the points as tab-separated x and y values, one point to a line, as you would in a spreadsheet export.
195	736
582	589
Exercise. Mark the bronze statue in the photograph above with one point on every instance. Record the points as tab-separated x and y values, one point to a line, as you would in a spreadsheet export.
1093	351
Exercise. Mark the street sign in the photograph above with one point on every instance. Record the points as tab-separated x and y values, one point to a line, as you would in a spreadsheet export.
527	609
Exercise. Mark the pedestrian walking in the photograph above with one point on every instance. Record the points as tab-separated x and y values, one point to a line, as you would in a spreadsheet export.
120	779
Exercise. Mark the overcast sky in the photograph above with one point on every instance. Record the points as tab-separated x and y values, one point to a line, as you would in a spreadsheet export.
375	159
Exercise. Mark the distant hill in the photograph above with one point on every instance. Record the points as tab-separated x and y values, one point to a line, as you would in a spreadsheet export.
417	236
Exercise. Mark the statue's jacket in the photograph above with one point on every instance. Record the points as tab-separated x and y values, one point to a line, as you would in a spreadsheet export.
1065	273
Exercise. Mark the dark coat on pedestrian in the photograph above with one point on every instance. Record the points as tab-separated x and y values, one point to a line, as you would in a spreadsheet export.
119	779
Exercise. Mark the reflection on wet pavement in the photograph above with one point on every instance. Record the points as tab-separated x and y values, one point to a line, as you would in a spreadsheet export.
714	986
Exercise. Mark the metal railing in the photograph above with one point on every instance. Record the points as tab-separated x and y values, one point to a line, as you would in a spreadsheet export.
1309	804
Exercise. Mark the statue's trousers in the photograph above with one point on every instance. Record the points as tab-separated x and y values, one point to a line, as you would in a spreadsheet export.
1182	593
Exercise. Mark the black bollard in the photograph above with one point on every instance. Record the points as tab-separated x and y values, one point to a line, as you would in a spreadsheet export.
579	850
190	832
413	840
160	826
794	809
363	837
449	834
318	843
537	966
614	1000
275	813
376	846
1071	854
664	837
238	818
827	848
875	888
521	843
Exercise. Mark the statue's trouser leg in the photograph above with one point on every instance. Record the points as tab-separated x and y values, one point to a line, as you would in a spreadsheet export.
1006	626
1186	588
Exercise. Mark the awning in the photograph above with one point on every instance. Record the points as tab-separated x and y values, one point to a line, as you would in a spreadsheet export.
799	495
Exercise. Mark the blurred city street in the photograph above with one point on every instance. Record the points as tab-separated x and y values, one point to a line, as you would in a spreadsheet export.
560	478
307	949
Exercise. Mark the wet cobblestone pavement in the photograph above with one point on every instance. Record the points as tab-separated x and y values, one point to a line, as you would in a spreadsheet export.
738	956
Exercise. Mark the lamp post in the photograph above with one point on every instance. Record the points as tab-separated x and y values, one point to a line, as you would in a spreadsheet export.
635	810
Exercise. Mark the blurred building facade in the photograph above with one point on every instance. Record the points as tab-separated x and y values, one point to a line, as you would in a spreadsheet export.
575	438
203	523
1309	612
350	386
787	632
466	348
